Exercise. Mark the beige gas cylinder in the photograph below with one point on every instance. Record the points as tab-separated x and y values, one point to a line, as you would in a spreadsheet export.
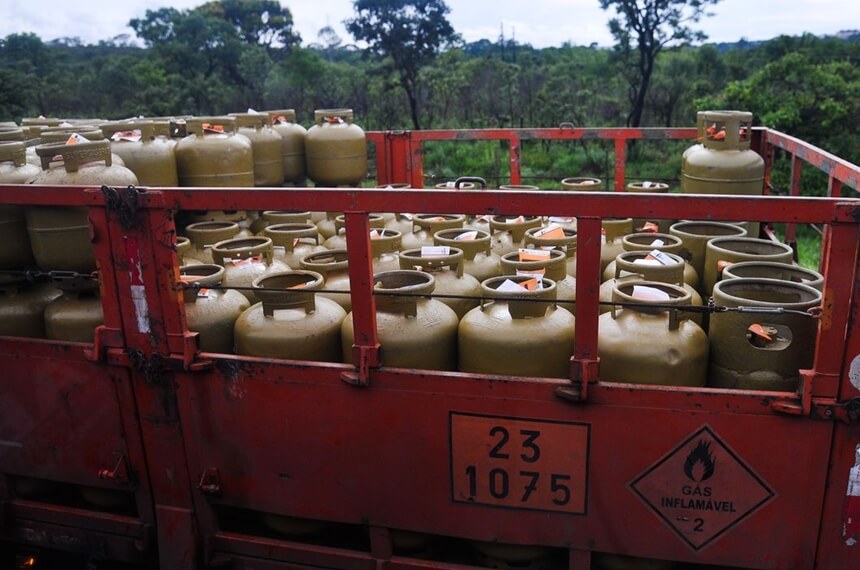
774	270
60	237
211	313
22	306
414	331
642	265
648	343
74	315
292	242
507	233
516	331
214	154
19	135
328	226
695	236
401	223
203	235
292	144
426	225
291	322
723	163
550	263
333	265
338	241
582	184
445	263
183	250
720	252
266	146
613	231
335	149
557	237
149	156
384	248
15	250
479	261
754	350
648	187
62	134
245	260
268	217
647	241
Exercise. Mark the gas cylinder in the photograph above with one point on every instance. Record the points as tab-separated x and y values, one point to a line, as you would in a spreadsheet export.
268	217
328	226
244	260
203	235
391	217
150	157
649	187
214	154
333	265
647	241
20	135
723	162
183	250
519	187
695	236
22	306
774	270
266	146
338	241
292	242
211	313
238	216
445	263
659	268
64	133
60	237
292	144
15	251
414	331
582	184
335	149
613	230
74	315
507	233
550	263
384	248
291	323
719	252
401	223
649	344
517	331
754	350
479	261
556	237
426	225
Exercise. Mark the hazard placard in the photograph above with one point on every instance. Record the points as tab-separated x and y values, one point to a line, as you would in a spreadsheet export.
702	489
519	463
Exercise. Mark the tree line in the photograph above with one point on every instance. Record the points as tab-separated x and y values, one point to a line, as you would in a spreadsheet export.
415	72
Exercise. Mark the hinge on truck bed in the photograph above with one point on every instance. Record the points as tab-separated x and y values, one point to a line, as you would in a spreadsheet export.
123	202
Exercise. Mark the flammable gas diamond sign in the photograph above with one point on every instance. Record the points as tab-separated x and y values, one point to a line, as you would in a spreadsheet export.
702	488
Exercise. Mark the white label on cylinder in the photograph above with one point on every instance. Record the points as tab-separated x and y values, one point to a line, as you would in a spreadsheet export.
649	293
435	250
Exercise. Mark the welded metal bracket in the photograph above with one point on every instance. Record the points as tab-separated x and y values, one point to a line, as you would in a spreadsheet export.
583	372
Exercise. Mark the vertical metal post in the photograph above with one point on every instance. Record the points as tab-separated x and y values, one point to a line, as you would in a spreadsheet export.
585	360
515	150
620	164
365	351
791	228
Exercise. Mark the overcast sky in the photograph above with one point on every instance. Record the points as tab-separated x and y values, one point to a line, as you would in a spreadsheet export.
541	23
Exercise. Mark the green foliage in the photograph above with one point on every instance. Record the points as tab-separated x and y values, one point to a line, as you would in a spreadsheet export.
409	33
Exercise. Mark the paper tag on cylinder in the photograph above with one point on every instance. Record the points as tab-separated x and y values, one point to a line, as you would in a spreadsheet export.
657	243
535	273
374	234
467	236
646	293
660	257
526	254
75	138
552	231
517	220
435	250
510	287
128	136
561	220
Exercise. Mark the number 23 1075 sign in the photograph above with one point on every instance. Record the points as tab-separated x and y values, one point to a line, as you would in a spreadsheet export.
519	463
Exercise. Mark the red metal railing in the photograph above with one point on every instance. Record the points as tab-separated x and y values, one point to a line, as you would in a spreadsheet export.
356	444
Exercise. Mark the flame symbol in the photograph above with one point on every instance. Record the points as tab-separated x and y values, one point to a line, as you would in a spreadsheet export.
701	454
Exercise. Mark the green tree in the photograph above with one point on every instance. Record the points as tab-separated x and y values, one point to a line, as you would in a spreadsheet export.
408	32
642	29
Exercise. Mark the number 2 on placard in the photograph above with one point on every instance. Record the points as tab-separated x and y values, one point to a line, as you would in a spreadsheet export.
531	450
